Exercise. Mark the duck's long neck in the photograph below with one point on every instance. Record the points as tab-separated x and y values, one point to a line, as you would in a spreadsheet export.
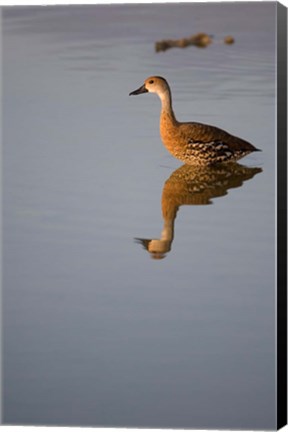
166	106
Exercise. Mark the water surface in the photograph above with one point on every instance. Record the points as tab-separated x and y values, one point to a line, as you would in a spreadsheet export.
98	330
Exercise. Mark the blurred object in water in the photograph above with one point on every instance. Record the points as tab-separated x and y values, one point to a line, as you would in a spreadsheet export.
200	40
229	40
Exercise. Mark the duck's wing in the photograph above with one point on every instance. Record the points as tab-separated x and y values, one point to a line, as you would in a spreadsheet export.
212	136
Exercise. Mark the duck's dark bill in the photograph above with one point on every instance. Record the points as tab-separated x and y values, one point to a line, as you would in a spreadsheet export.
140	90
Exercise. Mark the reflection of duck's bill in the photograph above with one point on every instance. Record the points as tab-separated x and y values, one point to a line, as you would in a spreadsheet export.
143	242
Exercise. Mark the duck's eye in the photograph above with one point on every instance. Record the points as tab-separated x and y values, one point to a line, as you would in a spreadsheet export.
151	82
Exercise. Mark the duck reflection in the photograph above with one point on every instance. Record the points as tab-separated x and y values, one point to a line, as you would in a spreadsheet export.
193	185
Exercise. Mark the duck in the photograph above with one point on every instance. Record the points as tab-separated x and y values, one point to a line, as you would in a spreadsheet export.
193	143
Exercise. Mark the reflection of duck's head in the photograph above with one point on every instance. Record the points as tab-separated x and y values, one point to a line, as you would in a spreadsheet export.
157	248
193	186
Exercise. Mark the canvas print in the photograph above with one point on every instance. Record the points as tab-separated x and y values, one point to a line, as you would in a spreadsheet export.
139	265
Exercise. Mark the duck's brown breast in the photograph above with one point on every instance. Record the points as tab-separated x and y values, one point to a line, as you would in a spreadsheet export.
171	135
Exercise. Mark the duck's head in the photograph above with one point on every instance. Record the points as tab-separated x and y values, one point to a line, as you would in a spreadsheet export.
153	84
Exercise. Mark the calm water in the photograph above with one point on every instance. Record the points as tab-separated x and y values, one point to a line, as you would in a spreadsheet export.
117	312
